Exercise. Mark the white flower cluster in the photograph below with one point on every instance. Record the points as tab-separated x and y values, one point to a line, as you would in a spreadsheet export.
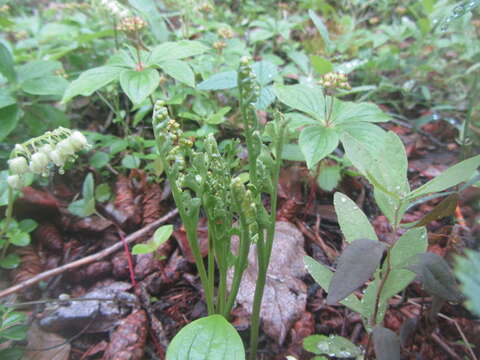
55	147
115	8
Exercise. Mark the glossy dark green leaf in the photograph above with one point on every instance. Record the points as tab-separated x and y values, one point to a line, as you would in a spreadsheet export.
27	225
435	275
138	85
356	265
20	238
16	332
11	354
208	338
386	344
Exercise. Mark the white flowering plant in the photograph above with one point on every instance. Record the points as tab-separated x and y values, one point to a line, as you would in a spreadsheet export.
37	156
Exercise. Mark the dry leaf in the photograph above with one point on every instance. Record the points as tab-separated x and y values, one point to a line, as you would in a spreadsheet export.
285	294
39	340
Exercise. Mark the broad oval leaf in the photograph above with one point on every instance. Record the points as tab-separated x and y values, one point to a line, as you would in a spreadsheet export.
46	85
435	275
36	69
316	142
454	175
175	50
179	70
265	72
355	266
8	120
6	64
92	80
209	338
308	99
443	209
162	234
138	85
323	276
344	112
352	220
386	344
220	81
333	345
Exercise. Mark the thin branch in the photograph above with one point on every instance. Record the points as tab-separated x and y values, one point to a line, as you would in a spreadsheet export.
88	259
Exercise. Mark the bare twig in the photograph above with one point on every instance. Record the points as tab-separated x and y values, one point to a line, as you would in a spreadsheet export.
445	347
88	259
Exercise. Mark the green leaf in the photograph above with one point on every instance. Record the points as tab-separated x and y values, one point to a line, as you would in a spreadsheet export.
292	152
352	220
308	99
6	99
27	225
386	344
347	112
92	80
175	50
102	192
369	135
36	69
467	270
445	208
265	72
329	177
47	85
356	265
82	208
219	81
8	120
179	70
11	261
411	243
323	276
219	116
131	162
99	159
4	188
6	64
43	117
333	345
142	249
88	188
266	98
20	238
322	29
321	65
16	332
316	142
435	275
162	234
138	85
454	175
212	338
11	354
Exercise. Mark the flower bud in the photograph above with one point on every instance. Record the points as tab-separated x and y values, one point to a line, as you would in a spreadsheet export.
15	181
46	149
39	163
78	140
58	159
18	165
65	148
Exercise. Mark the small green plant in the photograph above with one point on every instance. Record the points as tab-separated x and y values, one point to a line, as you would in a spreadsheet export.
36	156
12	328
386	169
204	179
159	237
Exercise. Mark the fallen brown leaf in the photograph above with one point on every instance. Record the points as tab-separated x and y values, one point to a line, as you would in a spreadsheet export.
285	296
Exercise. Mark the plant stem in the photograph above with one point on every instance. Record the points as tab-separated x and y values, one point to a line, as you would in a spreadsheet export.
264	253
8	219
466	125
